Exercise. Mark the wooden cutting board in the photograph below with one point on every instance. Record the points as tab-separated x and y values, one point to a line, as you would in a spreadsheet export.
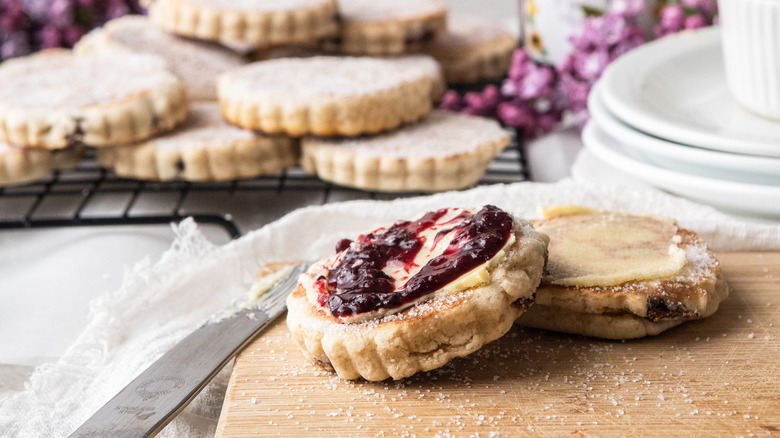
719	376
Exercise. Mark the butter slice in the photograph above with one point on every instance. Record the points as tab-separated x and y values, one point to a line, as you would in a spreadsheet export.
479	275
590	248
549	212
264	283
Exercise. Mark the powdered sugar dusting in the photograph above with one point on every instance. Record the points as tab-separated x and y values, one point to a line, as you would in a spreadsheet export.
424	62
699	265
441	134
464	31
261	6
59	80
419	61
204	127
372	10
699	262
197	63
299	79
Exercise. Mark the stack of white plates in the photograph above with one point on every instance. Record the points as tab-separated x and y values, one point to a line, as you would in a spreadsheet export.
663	114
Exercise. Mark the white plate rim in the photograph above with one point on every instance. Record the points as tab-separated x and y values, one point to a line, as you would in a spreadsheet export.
633	63
704	158
734	196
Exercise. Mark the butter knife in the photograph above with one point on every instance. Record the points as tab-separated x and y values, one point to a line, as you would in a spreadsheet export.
152	399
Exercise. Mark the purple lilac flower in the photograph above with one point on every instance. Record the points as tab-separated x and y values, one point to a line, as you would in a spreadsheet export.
534	82
695	22
50	36
589	66
12	16
632	40
115	9
627	8
452	102
672	17
36	10
548	121
14	25
576	92
612	29
525	100
704	6
517	115
60	13
531	99
13	45
539	81
480	104
533	96
600	41
688	14
30	25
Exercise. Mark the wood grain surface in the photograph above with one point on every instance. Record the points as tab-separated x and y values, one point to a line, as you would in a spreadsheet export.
715	377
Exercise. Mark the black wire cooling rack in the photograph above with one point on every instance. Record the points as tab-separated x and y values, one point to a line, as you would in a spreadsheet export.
90	196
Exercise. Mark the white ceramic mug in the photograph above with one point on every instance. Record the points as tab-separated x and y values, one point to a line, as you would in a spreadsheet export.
751	52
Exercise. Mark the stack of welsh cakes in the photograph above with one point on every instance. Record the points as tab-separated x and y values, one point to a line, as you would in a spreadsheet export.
210	90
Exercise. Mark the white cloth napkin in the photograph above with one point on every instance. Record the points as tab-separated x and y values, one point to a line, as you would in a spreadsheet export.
158	304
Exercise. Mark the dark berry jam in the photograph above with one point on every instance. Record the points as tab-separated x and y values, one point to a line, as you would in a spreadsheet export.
358	284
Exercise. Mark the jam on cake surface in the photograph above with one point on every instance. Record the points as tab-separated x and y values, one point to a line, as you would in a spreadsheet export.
390	269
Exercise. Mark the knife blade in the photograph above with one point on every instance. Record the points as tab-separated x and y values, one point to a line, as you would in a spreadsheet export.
152	399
